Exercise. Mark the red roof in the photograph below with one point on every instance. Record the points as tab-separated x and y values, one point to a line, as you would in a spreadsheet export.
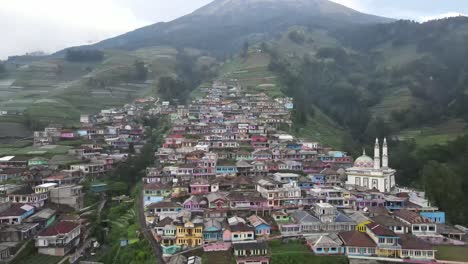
380	230
411	217
356	239
63	227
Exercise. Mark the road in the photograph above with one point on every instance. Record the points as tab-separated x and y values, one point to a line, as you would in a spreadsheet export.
146	231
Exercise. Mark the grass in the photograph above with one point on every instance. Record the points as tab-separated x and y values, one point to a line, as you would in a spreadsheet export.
40	259
438	134
225	257
295	252
322	129
35	151
29	255
452	253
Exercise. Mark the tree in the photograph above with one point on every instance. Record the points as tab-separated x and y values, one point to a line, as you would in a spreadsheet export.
75	55
2	68
141	71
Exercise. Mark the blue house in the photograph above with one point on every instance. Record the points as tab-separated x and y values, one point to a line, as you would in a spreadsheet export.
305	183
322	244
393	203
16	214
226	167
262	228
212	230
294	146
436	217
318	179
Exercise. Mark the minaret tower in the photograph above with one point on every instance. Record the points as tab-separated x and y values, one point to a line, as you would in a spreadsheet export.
377	154
385	154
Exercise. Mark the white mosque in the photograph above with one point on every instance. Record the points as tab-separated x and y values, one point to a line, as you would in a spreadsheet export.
372	174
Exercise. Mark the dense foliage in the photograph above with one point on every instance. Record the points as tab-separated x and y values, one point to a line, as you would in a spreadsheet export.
2	67
440	170
189	76
77	55
349	79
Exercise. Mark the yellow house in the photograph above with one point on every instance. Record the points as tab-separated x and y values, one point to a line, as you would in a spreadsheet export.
361	221
361	227
189	234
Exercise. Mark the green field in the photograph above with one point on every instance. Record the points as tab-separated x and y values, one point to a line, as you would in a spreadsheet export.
295	252
58	91
35	151
439	134
452	253
40	259
225	257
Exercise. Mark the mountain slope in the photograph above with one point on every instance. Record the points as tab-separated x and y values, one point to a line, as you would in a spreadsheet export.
224	25
377	80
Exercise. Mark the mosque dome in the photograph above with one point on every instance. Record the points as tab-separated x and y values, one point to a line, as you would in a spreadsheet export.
364	161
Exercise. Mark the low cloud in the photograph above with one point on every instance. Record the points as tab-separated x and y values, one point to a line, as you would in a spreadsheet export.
440	16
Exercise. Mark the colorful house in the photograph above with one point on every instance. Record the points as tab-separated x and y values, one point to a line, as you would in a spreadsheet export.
387	241
242	232
262	228
323	244
361	221
280	216
416	249
196	203
436	217
189	234
155	192
212	230
356	243
38	161
251	252
199	187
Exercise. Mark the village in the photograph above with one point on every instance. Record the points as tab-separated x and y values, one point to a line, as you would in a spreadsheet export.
227	178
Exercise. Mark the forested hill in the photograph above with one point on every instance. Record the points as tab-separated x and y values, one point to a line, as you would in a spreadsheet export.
403	80
224	25
377	80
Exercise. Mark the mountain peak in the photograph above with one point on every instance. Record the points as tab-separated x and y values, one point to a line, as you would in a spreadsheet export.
223	25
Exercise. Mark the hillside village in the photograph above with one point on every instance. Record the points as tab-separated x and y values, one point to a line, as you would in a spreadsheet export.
226	180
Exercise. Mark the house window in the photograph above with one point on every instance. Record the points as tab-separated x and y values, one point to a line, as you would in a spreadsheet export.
404	252
371	250
352	250
319	249
415	228
381	240
432	228
236	236
430	253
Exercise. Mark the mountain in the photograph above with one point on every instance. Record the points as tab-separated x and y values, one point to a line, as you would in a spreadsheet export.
224	25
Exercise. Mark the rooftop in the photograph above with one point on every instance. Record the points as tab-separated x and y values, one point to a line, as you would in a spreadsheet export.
61	228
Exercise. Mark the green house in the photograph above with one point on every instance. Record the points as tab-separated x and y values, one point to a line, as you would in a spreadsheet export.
38	161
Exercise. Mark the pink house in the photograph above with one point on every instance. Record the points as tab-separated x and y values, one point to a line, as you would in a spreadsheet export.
67	134
227	234
199	187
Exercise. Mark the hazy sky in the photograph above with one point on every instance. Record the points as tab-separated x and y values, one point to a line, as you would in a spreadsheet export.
51	25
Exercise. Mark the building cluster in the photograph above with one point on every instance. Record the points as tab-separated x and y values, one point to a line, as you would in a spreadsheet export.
228	177
39	194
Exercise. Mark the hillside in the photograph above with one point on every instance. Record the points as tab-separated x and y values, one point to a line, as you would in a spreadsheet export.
374	80
224	25
59	90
